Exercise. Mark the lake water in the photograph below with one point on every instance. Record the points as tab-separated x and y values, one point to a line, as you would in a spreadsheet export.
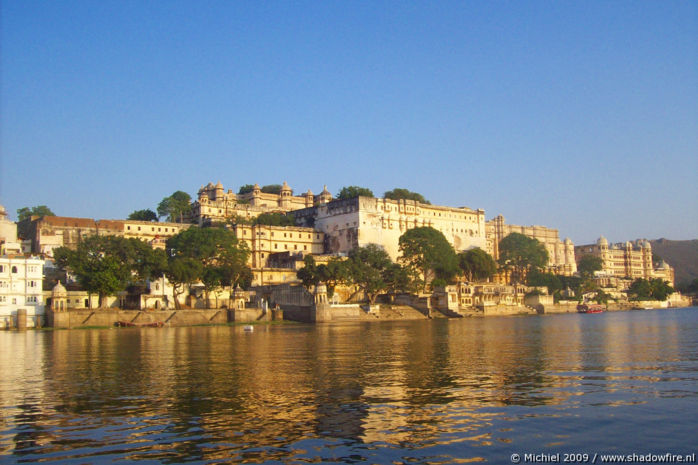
405	392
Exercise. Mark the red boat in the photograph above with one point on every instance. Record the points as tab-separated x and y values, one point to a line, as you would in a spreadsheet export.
590	308
129	324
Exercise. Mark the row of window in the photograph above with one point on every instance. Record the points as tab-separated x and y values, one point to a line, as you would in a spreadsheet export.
32	299
152	228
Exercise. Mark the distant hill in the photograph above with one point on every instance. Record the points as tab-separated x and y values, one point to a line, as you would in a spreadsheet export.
682	255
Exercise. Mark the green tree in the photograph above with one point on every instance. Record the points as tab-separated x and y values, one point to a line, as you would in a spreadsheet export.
245	189
477	265
175	207
143	215
272	189
427	252
95	265
368	266
274	219
221	258
588	264
521	254
399	193
180	272
334	273
350	192
40	210
308	273
399	279
552	281
653	289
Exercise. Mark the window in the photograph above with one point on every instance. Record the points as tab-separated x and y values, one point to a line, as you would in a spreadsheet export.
3	298
2	268
14	269
32	299
305	247
128	227
139	228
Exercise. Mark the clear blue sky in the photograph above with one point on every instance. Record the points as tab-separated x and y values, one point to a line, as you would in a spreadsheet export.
582	116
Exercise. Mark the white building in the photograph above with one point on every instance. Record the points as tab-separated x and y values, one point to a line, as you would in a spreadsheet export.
21	287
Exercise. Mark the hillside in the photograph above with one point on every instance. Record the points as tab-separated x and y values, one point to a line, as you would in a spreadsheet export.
682	255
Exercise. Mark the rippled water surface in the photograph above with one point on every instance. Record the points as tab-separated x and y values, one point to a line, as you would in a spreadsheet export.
408	392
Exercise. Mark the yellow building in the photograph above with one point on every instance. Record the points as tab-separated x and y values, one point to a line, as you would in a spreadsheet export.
278	251
561	258
626	260
156	234
215	205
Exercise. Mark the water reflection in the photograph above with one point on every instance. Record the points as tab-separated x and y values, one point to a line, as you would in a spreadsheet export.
392	392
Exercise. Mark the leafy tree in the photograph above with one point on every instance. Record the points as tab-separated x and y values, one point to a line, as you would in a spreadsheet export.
476	264
653	289
399	279
217	251
368	267
274	219
350	192
551	281
520	254
400	193
588	264
105	265
182	271
245	189
308	274
427	252
175	207
143	215
96	267
40	210
335	272
272	189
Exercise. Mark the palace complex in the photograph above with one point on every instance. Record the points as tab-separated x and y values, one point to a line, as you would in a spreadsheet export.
625	261
214	205
560	253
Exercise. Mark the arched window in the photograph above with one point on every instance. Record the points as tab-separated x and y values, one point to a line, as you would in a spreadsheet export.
14	269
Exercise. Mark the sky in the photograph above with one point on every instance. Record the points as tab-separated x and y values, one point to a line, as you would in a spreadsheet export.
576	115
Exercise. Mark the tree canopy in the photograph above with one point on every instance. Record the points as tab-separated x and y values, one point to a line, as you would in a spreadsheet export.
652	289
105	265
143	215
520	254
476	264
220	257
368	266
427	252
399	193
272	189
350	192
27	212
588	264
245	189
336	271
175	207
274	219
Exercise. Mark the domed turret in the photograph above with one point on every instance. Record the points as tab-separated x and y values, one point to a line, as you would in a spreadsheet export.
59	290
3	213
602	241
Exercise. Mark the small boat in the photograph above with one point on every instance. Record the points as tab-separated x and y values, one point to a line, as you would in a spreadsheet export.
590	308
130	324
248	328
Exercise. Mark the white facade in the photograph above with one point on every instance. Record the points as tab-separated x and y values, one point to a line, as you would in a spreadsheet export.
364	220
21	287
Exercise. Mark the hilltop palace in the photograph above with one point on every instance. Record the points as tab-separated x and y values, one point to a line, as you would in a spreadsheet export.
324	227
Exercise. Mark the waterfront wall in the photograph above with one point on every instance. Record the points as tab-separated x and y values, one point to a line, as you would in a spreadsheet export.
109	317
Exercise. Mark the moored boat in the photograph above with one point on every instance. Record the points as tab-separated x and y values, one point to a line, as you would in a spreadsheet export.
130	324
590	308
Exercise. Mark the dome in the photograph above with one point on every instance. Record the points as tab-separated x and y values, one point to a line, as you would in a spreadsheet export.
285	187
3	213
324	190
310	193
602	241
646	244
568	241
59	290
256	187
219	185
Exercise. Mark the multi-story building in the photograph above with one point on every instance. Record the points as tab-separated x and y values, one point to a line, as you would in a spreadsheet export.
215	205
626	260
365	220
8	235
50	232
21	288
278	251
560	253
